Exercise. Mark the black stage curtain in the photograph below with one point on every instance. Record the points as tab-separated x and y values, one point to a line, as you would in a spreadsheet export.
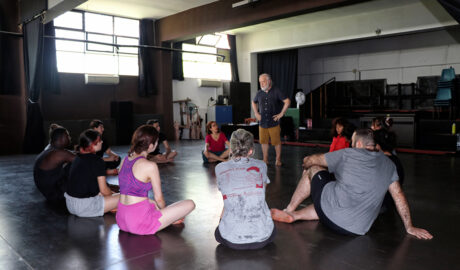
233	58
50	77
177	69
34	138
282	67
453	7
146	59
33	57
2	52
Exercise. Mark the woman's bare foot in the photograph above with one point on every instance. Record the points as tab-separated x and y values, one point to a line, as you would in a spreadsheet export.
281	216
180	221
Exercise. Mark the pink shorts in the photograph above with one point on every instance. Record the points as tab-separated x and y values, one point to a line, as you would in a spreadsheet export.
139	218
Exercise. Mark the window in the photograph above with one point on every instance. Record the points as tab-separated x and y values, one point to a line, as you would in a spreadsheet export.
204	66
93	58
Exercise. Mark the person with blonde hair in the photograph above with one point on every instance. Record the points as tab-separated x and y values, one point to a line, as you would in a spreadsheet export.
245	221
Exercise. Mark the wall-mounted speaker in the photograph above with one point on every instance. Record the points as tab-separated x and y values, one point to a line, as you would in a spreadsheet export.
122	112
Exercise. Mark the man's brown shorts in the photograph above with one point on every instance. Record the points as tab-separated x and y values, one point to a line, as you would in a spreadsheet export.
272	133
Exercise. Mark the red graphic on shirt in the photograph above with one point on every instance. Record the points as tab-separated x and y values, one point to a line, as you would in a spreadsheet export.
258	178
225	197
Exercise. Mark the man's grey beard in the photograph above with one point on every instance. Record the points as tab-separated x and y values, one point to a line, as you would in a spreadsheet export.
265	88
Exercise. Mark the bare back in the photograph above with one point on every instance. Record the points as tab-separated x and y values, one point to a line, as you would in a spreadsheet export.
145	171
55	158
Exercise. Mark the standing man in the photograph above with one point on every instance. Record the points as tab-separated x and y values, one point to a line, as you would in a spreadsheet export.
267	109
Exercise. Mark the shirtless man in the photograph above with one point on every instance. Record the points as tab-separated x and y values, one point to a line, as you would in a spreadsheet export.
51	166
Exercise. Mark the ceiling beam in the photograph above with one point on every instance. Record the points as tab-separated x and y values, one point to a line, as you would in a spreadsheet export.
59	7
220	16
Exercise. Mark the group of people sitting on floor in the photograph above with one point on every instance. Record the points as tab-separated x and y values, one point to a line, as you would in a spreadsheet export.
349	188
77	179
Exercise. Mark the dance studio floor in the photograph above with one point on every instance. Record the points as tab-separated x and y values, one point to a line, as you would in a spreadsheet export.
35	236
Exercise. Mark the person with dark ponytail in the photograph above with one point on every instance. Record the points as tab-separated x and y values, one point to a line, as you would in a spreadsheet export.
136	213
87	192
245	221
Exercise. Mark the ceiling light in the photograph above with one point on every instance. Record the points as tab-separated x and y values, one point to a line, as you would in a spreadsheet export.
242	3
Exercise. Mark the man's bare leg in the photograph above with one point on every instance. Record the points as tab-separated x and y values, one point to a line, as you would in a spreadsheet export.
265	152
307	213
278	154
301	192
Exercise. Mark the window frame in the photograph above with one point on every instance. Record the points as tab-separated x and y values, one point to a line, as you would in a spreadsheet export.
115	51
197	62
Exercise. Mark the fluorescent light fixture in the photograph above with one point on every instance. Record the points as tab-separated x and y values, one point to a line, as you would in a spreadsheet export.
208	40
242	3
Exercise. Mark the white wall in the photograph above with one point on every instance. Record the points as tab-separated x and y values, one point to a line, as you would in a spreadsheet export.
407	16
198	95
399	59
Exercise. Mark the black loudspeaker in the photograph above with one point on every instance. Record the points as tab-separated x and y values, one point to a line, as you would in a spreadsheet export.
239	94
122	112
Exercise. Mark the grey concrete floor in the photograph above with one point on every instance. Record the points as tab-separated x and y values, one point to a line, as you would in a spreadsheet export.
35	236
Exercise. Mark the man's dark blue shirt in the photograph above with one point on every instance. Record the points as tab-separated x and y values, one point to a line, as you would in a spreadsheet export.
269	103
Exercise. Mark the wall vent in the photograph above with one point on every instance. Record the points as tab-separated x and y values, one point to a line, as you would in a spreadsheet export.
209	83
101	79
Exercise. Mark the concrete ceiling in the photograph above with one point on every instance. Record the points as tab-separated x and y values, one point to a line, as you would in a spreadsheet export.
156	9
328	14
141	9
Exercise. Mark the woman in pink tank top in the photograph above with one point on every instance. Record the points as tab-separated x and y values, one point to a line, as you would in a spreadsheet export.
136	212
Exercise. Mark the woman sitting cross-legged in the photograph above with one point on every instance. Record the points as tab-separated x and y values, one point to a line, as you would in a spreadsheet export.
245	222
215	143
136	213
87	192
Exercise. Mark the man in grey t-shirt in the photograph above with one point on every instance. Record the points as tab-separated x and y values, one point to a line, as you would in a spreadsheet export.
350	204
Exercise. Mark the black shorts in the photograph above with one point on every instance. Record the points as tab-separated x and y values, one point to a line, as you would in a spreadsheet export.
319	180
255	245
